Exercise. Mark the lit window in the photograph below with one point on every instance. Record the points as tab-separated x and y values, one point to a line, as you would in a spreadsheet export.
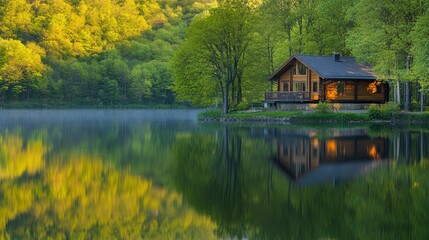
374	87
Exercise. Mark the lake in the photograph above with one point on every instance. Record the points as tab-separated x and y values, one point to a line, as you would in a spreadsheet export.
159	174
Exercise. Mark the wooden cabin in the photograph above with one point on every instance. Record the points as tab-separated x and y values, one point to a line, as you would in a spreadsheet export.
312	79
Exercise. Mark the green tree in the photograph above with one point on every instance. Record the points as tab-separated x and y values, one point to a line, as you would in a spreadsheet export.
329	28
223	38
382	38
420	51
22	68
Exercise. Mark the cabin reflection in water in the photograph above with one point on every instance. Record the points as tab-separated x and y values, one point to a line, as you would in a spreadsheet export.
310	157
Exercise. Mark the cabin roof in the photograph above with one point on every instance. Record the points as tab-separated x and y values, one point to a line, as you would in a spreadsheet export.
327	68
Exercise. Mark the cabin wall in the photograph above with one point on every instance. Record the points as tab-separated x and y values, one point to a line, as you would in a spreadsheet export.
367	91
315	90
335	92
288	82
284	80
354	91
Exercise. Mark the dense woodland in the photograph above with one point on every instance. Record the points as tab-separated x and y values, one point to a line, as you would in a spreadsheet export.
91	52
105	52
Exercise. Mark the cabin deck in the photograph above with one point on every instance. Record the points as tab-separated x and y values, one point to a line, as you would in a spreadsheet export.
292	97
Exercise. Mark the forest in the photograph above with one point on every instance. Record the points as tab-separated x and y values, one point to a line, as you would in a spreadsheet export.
122	52
91	52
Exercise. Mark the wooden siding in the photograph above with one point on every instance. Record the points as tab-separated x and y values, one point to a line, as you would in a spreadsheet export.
284	78
354	91
366	91
332	93
299	78
314	76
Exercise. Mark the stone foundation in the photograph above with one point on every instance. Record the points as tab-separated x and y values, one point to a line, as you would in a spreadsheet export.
311	106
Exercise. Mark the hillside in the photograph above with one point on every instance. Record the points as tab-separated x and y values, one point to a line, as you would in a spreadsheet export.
91	52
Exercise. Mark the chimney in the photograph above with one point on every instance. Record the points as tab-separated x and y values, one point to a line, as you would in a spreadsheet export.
336	56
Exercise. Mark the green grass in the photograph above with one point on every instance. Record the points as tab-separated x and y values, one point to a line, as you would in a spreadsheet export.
217	113
275	114
409	118
313	117
340	117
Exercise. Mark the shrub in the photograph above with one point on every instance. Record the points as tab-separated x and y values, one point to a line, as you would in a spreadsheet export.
386	111
374	111
415	106
211	113
324	107
243	106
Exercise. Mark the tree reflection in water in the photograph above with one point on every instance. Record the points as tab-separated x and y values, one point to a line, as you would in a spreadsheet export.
114	178
226	176
82	197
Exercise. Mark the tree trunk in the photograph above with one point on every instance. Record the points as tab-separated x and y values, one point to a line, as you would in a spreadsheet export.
407	100
239	91
422	101
270	51
233	95
225	98
398	92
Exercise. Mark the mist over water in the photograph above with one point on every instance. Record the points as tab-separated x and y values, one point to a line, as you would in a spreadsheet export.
7	115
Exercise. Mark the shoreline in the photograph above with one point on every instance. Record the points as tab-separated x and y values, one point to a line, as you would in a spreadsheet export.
274	117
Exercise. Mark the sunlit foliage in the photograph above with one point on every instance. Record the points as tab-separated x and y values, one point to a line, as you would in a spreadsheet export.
62	51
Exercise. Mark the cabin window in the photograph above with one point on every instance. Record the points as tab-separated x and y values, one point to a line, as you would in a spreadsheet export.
378	88
315	87
293	69
315	151
299	86
341	87
286	86
302	70
374	87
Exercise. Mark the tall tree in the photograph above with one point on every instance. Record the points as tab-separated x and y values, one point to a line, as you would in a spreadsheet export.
420	51
223	37
22	67
329	29
382	37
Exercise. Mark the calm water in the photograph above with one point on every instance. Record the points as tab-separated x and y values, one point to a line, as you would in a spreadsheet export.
159	174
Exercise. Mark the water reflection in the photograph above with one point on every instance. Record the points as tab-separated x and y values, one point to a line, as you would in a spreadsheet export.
306	157
62	179
84	198
225	175
149	176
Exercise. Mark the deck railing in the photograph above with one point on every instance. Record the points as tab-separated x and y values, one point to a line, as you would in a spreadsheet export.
288	96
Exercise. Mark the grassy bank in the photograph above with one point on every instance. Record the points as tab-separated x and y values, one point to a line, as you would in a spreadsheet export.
316	117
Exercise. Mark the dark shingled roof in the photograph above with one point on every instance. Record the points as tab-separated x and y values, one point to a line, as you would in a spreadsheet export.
327	68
